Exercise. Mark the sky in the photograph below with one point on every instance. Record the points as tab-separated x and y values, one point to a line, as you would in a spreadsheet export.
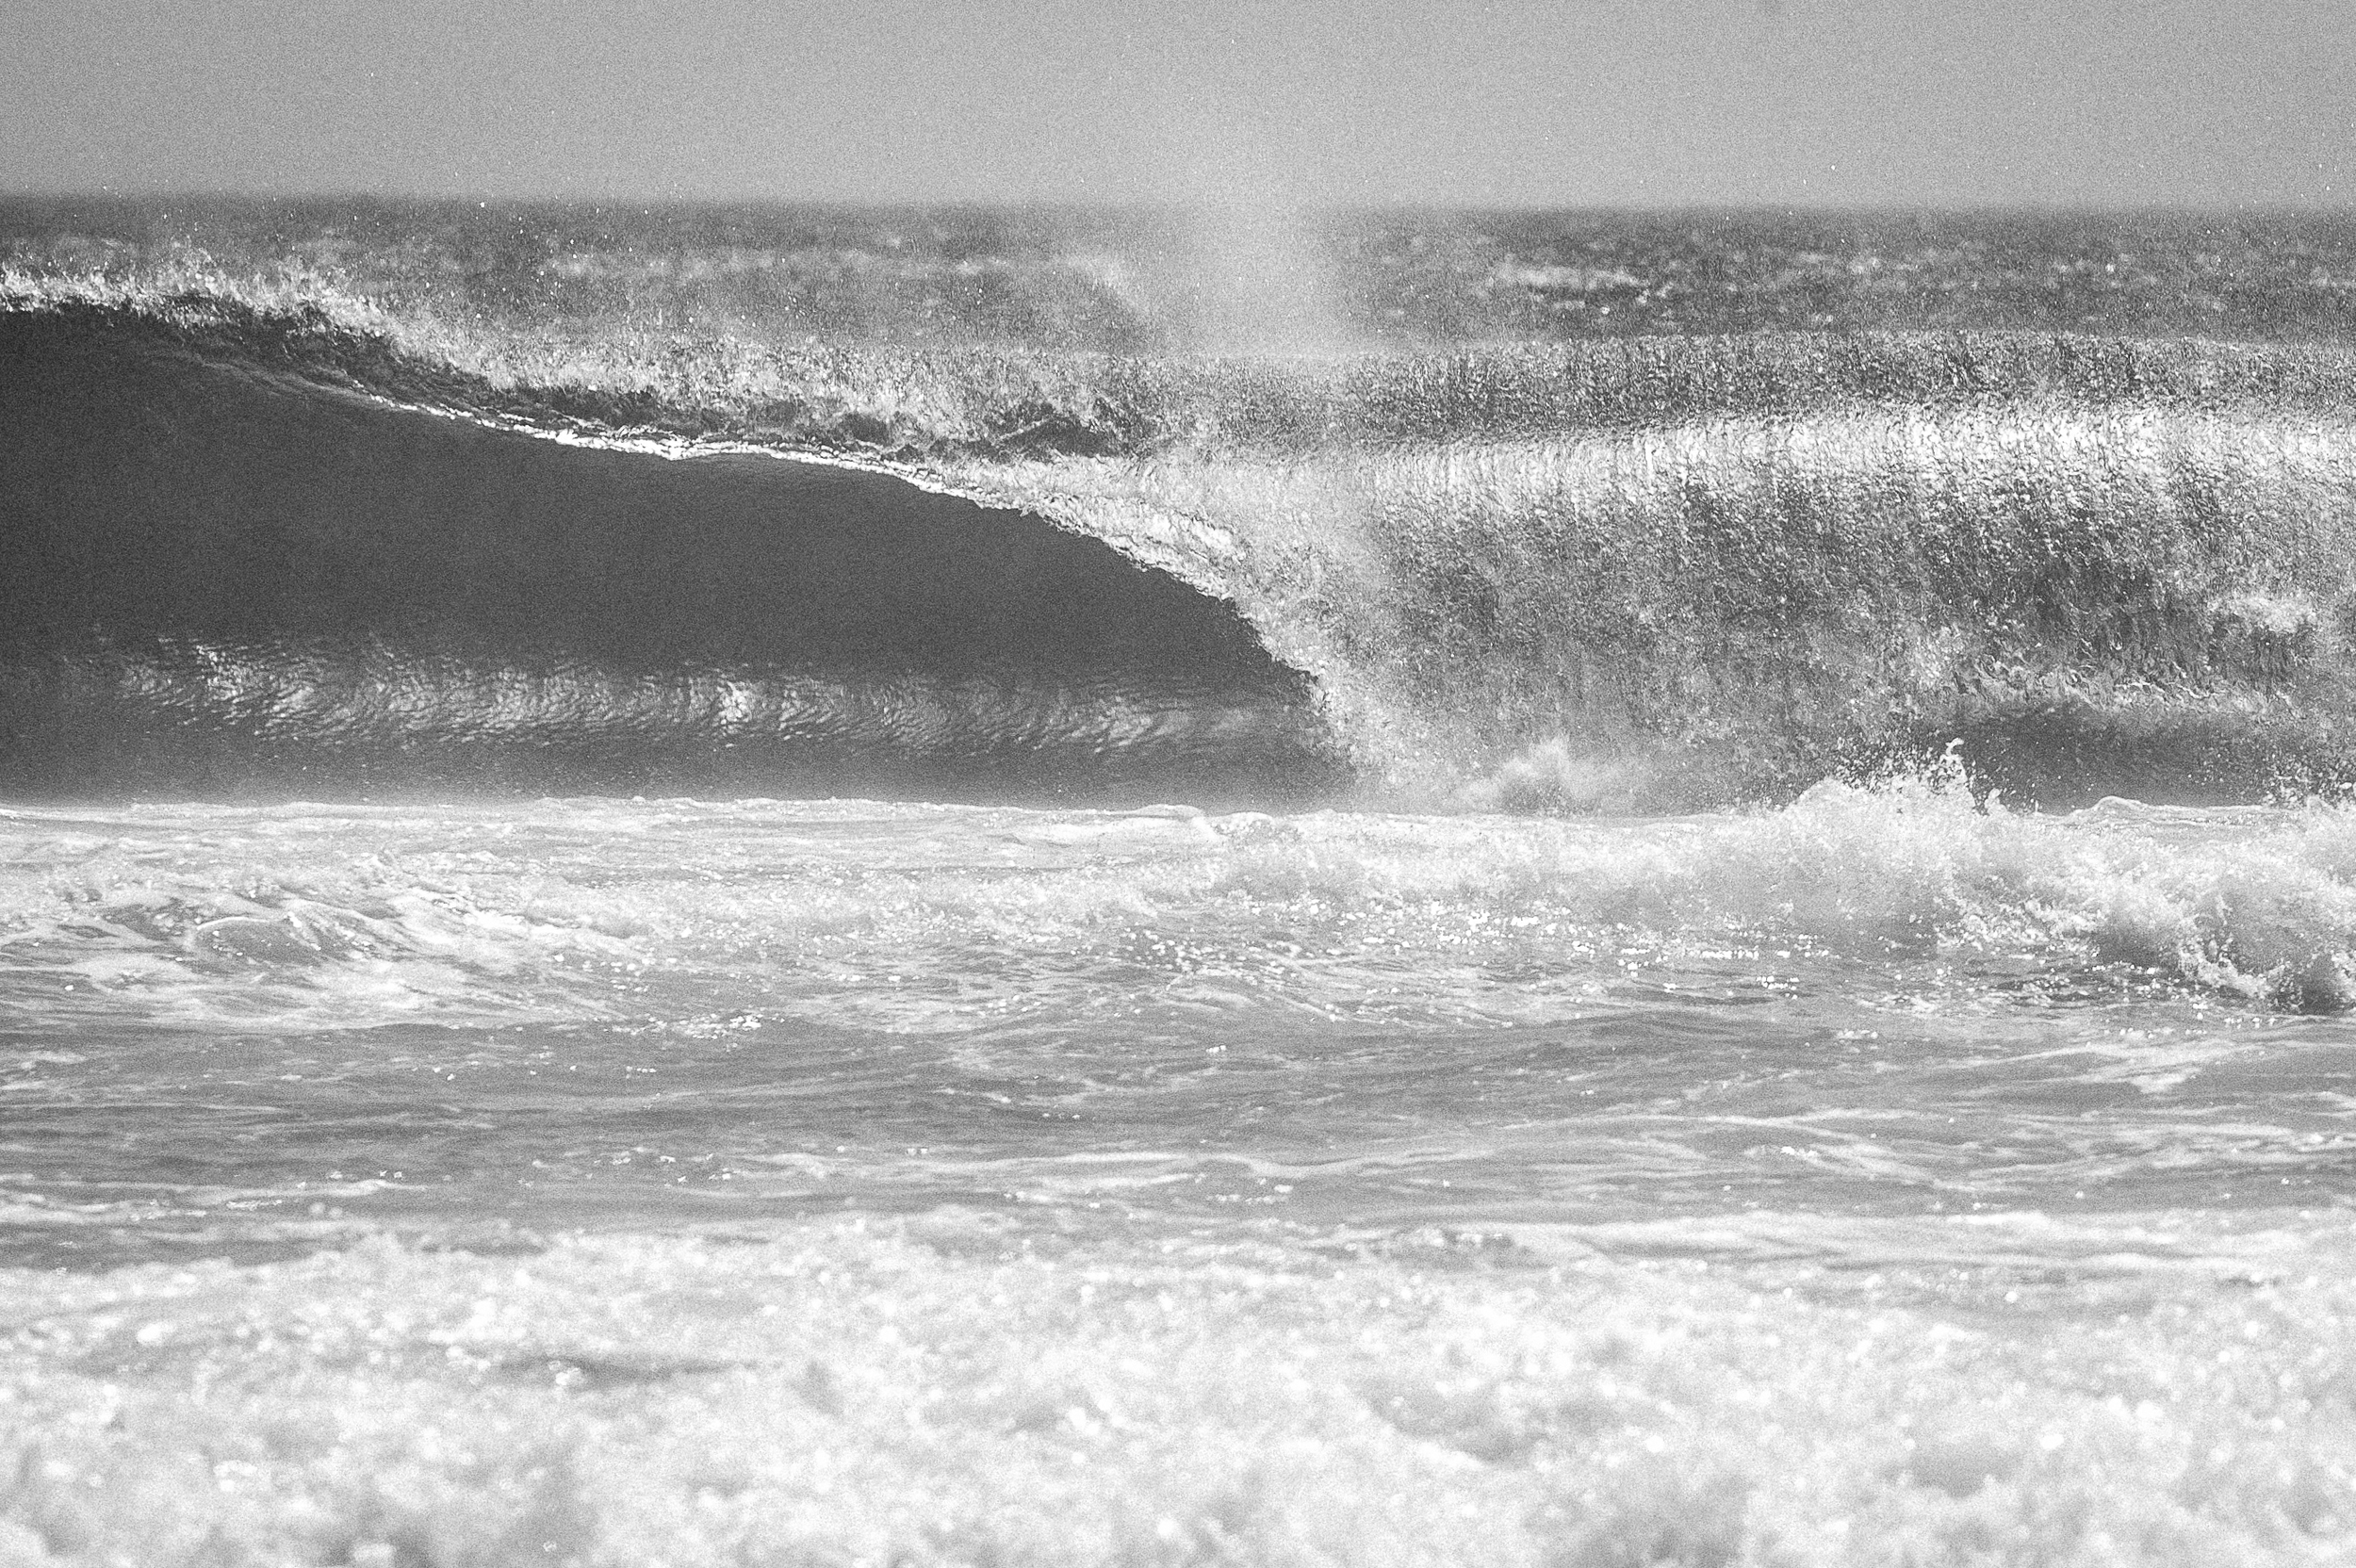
1656	103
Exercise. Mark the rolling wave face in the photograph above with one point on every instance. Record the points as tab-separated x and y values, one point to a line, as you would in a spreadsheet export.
2136	599
227	580
1658	574
2144	601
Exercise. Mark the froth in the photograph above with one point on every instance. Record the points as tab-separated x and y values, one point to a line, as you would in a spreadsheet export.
946	1391
848	911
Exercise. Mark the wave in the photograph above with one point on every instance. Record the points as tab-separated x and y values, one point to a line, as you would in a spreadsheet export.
291	535
228	577
1909	895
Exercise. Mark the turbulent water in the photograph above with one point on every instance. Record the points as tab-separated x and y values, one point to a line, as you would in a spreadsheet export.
760	886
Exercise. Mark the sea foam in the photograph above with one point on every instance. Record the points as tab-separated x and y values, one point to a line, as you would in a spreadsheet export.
942	1392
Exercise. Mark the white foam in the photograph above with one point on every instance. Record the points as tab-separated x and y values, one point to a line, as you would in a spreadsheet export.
926	918
948	1391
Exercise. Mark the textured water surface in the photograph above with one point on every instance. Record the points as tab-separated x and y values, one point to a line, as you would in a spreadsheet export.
1581	891
728	1181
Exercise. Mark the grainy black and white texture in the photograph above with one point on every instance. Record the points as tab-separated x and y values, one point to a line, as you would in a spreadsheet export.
1100	860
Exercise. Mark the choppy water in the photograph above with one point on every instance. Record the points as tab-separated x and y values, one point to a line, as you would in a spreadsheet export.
755	1182
1190	1117
660	1013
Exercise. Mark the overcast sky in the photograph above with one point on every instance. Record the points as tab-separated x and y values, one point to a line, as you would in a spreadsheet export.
1652	102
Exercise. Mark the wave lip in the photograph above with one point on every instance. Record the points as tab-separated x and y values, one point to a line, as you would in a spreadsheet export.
229	580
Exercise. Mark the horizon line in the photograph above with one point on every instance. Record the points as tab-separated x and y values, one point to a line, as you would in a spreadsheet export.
1896	209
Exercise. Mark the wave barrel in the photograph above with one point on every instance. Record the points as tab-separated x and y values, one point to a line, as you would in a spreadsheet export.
224	582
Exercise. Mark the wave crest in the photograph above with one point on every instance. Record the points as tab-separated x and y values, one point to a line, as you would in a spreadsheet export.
1644	573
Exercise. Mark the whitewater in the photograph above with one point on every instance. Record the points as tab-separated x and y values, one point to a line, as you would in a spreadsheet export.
755	887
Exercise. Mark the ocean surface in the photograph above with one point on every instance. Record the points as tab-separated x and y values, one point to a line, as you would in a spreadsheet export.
767	885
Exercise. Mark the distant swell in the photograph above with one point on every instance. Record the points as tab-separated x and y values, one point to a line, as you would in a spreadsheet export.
225	581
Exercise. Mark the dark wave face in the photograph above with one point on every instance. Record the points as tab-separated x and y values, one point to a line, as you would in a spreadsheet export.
551	501
225	581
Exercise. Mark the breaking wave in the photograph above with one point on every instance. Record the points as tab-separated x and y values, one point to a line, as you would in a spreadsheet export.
228	578
273	540
350	917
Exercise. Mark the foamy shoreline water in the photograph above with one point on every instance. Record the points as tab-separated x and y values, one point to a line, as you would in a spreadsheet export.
946	1390
1890	1178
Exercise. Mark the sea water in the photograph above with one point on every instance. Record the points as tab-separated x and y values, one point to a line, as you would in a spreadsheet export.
1880	1179
1676	1108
